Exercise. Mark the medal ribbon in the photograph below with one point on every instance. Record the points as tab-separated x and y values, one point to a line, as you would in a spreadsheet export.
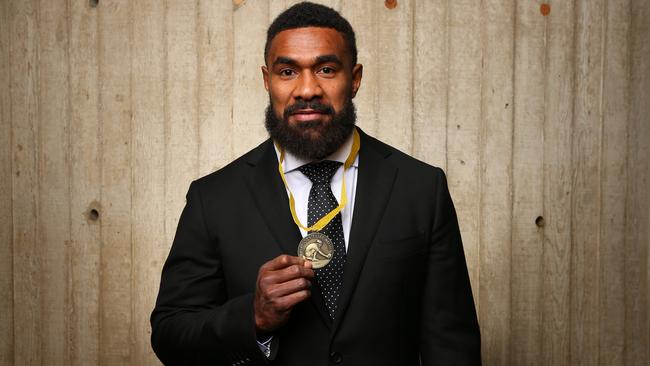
323	221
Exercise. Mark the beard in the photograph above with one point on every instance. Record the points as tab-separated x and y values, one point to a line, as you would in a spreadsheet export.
311	140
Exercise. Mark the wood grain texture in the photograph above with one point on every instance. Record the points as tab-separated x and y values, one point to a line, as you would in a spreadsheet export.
215	78
463	121
149	243
364	15
27	257
181	107
115	118
6	192
585	204
637	238
430	82
85	184
527	185
613	170
558	172
249	97
495	221
53	177
395	100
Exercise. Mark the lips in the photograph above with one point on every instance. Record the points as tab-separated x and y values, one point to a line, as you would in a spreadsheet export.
307	114
307	111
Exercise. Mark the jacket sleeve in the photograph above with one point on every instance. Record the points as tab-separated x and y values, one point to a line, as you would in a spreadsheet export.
450	332
194	321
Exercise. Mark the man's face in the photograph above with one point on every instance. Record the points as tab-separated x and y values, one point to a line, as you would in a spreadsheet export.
311	82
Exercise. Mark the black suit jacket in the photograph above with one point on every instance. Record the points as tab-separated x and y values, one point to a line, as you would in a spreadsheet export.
405	298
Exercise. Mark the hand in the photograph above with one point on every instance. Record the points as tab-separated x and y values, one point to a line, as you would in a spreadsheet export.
282	283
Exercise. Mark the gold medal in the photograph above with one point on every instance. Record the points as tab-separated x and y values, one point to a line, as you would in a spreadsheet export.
316	248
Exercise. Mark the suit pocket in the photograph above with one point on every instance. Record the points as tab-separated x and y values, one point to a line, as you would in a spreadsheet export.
400	248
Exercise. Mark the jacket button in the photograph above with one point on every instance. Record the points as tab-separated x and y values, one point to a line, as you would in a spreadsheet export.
336	357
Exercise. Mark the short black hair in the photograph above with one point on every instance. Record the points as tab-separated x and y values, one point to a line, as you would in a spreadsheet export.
308	14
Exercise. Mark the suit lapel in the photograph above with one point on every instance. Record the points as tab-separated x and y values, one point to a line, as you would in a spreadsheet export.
270	196
272	202
374	183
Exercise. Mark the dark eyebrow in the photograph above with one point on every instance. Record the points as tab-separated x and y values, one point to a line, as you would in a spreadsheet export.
284	60
328	58
319	60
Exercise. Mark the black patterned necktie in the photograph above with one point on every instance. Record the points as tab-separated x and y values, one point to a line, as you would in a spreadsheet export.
321	202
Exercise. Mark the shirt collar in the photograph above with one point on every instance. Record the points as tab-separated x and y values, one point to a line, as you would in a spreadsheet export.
292	162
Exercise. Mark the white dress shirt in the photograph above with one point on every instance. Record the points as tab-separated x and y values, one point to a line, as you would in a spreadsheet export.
299	184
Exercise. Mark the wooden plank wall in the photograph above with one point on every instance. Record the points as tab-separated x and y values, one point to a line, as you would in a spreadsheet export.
539	112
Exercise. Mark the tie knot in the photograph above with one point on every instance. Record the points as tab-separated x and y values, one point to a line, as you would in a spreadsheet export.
321	172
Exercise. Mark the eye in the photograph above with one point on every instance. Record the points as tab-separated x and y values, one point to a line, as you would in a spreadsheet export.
287	73
327	70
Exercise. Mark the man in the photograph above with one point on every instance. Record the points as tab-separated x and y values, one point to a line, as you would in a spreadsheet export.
391	287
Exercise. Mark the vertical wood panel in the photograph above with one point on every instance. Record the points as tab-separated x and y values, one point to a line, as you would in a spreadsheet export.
182	130
496	179
527	181
250	21
53	174
556	333
150	246
24	118
181	101
395	104
363	16
464	117
6	174
637	239
585	213
115	121
430	82
85	183
614	170
215	78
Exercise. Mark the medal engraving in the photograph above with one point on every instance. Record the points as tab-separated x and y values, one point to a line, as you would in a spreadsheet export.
316	248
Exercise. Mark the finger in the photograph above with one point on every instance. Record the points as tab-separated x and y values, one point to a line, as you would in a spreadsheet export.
286	288
268	279
286	303
290	273
282	261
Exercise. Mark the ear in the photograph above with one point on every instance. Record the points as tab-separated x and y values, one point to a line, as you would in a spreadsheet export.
265	76
357	73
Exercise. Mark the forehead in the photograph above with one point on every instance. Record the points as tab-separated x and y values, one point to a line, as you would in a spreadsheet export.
308	42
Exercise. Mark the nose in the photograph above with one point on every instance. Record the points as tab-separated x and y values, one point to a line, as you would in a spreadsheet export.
308	87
